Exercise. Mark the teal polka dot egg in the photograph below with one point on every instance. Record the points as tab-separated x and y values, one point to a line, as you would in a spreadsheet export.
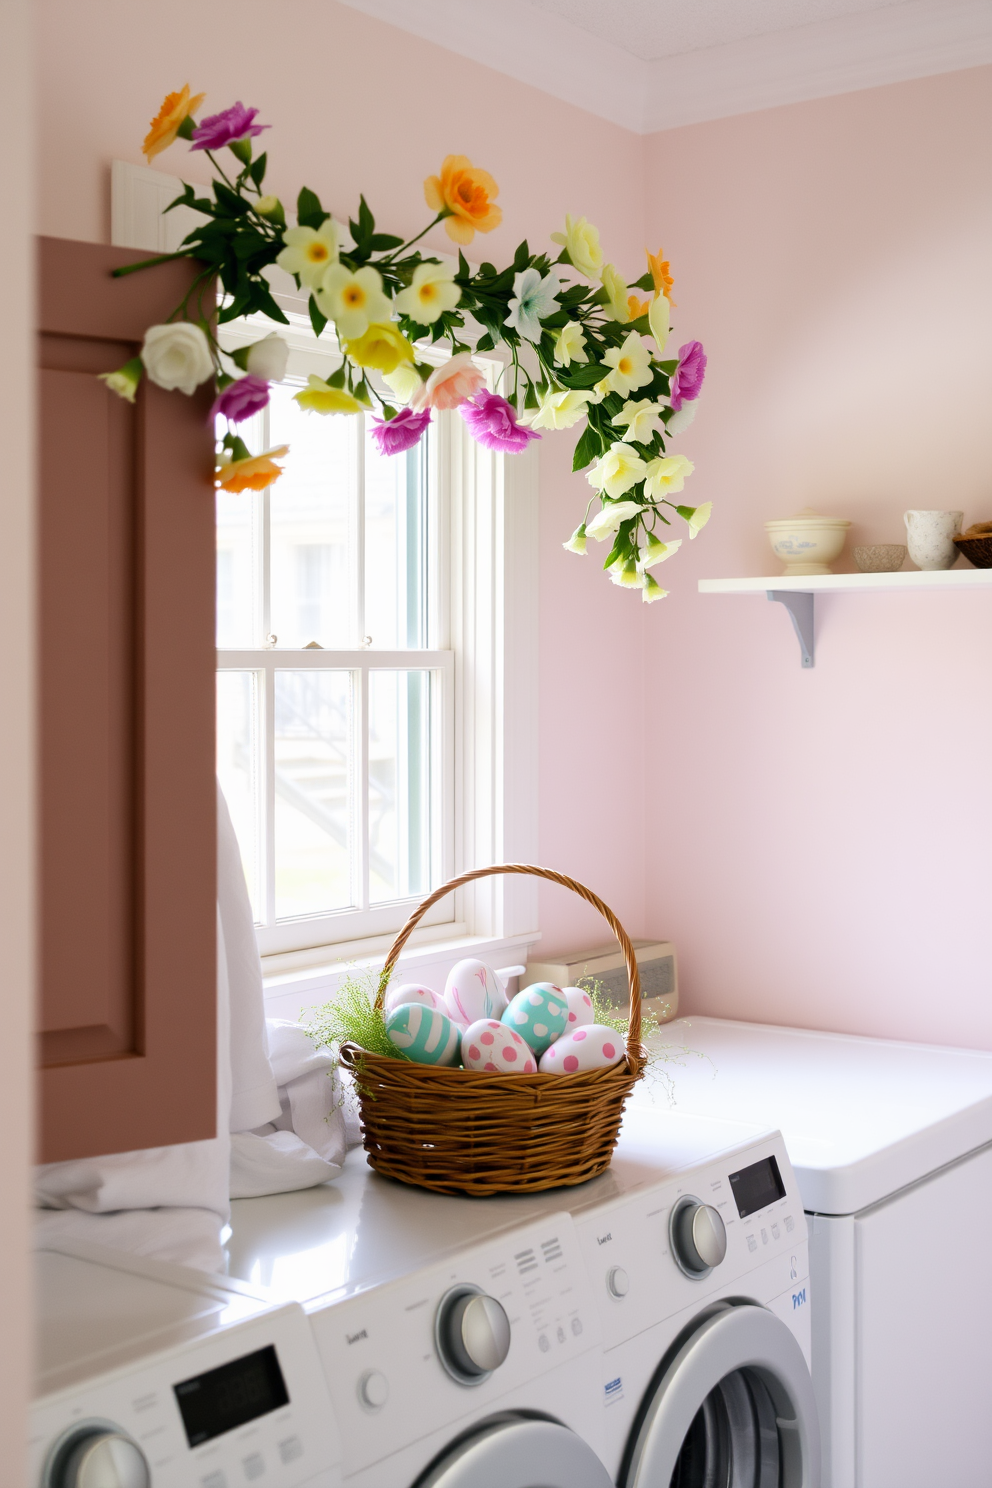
539	1014
423	1034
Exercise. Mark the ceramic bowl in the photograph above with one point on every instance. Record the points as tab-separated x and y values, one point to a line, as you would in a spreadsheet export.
807	543
880	557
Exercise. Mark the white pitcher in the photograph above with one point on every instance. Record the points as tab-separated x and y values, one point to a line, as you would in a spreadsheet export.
930	537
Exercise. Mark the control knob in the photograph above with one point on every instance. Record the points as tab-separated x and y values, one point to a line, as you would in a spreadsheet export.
100	1457
472	1333
698	1236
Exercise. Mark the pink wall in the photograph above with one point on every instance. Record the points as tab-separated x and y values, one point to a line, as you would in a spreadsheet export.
357	105
821	842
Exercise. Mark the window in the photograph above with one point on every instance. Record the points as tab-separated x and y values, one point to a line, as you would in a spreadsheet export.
334	696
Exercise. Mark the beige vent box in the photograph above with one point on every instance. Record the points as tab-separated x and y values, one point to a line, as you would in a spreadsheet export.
655	961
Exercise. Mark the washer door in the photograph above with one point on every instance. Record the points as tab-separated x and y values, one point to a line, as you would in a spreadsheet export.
733	1409
514	1452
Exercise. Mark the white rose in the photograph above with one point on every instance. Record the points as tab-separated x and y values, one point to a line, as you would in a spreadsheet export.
177	356
267	358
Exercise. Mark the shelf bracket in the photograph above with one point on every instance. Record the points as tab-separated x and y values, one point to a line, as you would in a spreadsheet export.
800	608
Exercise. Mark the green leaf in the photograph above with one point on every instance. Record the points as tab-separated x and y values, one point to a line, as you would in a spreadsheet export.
366	222
485	343
522	257
382	242
267	305
588	448
584	375
336	379
464	272
669	367
257	169
645	282
317	317
233	204
309	212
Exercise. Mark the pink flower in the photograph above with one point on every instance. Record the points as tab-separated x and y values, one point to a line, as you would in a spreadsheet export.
689	374
241	398
457	381
493	422
235	123
395	435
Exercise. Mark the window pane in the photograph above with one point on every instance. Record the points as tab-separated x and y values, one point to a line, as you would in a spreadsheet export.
238	770
314	826
237	569
395	547
311	506
399	784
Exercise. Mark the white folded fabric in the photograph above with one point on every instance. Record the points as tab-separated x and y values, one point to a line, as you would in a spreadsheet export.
188	1237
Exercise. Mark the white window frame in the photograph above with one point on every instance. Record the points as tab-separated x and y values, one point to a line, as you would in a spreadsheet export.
488	544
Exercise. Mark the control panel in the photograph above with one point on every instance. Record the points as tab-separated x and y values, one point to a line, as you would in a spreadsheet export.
246	1404
665	1247
425	1352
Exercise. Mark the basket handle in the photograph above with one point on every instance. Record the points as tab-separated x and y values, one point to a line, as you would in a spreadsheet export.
633	975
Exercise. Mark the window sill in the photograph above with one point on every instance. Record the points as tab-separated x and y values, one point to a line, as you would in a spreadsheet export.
295	983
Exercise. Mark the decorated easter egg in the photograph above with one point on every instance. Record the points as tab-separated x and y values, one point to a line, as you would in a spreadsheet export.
412	992
423	1034
589	1048
580	1008
473	991
539	1014
496	1048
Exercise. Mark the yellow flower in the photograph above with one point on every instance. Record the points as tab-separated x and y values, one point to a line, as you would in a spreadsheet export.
319	398
613	283
666	475
382	347
432	291
656	551
570	345
253	474
696	516
405	381
663	280
465	195
176	108
559	410
309	251
636	308
658	321
581	242
630	364
652	590
577	542
642	420
353	300
124	381
619	469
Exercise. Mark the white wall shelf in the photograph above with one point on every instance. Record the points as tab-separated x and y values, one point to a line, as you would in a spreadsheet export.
796	594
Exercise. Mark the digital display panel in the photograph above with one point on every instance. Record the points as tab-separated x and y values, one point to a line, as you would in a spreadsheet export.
230	1396
756	1187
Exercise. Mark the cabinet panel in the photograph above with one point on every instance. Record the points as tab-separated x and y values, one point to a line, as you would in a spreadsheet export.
126	716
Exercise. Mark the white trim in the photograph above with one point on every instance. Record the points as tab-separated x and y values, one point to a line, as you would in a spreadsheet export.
891	44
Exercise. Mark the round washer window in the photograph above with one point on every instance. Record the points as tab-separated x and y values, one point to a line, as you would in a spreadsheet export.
733	1438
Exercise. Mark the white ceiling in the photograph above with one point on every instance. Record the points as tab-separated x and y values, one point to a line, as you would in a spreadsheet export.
656	64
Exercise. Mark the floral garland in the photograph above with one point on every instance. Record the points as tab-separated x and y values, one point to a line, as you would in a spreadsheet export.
577	347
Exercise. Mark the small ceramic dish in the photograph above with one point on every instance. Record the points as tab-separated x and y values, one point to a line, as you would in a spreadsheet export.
880	557
807	543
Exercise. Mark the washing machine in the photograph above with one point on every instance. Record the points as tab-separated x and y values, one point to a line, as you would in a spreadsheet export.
891	1144
459	1339
149	1375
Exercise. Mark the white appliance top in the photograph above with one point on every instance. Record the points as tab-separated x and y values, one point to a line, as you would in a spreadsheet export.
322	1244
861	1117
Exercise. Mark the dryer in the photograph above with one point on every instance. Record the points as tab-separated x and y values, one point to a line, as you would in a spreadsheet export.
153	1376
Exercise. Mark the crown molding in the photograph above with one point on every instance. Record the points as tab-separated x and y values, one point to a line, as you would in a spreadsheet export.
910	39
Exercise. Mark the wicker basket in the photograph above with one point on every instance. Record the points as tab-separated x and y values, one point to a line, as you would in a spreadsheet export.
462	1131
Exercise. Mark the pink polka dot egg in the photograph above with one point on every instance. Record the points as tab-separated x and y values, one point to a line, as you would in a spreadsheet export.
580	1008
412	992
590	1048
490	1046
539	1014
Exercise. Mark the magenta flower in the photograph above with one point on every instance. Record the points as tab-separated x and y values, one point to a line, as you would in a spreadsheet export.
395	435
217	130
493	422
242	398
689	374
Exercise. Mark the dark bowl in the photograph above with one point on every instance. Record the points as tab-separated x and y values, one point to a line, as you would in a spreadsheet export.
977	550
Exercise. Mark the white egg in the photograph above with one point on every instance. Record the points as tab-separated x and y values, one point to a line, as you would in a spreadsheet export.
412	992
589	1048
580	1008
491	1046
473	991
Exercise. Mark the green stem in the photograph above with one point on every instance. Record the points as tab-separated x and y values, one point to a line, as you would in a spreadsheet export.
404	246
149	263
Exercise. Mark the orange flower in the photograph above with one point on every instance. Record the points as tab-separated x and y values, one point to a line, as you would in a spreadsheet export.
663	280
637	307
253	474
165	126
465	196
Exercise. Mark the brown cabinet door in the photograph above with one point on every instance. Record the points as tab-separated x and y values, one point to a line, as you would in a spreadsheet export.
127	892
